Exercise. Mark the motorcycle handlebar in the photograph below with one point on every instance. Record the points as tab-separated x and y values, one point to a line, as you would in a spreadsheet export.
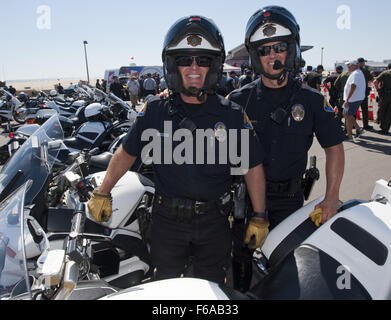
78	220
77	229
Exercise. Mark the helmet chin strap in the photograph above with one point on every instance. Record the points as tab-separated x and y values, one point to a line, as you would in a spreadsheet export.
281	76
195	92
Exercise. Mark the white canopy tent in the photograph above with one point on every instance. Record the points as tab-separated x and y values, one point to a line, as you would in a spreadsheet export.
228	68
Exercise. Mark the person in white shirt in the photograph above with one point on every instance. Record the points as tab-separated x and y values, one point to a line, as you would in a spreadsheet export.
133	87
354	94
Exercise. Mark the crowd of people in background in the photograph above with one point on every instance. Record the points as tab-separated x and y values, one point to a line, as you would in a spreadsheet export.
136	89
348	101
337	83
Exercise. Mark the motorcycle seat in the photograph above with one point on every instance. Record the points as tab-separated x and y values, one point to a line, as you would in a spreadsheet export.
67	109
59	100
75	143
101	161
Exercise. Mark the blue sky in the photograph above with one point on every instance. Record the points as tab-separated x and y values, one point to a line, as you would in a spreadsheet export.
117	30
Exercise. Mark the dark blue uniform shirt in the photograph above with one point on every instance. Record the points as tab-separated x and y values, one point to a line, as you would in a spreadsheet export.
201	182
286	145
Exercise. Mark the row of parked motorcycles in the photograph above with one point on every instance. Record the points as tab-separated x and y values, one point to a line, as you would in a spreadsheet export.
52	249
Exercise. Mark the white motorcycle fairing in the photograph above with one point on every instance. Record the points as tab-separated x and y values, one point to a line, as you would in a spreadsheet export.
91	131
172	289
78	103
347	257
126	194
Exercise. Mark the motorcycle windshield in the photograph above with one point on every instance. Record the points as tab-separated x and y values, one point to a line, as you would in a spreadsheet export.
13	231
33	161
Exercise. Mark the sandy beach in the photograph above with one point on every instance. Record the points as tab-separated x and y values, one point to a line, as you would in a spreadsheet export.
49	84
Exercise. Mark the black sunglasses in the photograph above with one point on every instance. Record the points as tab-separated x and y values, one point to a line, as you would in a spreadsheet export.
186	61
278	48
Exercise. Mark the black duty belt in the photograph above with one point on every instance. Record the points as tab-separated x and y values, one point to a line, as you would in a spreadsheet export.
290	187
185	205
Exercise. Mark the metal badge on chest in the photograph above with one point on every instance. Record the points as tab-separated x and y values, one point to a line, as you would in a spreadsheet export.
298	112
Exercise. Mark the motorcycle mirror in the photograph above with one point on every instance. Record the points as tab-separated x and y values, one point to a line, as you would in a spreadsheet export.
56	144
34	142
72	157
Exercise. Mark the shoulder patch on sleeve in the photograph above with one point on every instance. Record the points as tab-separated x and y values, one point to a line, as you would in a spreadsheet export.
143	110
149	103
248	124
326	106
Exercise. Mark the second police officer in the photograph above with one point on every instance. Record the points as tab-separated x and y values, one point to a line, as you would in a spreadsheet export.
192	199
285	115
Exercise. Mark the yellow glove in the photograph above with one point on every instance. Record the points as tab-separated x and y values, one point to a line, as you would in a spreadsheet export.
258	228
316	216
99	206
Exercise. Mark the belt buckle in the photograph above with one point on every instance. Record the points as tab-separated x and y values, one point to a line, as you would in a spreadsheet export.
197	206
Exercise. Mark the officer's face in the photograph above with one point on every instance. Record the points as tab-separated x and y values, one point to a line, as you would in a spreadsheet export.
193	75
268	60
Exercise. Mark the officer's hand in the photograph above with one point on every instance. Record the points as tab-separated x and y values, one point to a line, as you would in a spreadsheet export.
316	216
324	211
258	228
99	206
164	94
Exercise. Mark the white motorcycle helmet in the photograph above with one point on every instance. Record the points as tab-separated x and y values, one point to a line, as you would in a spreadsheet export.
53	93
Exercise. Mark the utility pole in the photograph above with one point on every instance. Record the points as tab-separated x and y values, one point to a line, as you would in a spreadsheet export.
85	53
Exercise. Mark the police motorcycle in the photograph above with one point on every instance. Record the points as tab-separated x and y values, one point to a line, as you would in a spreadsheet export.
15	140
100	162
308	272
94	125
121	246
69	271
11	108
65	107
106	120
346	258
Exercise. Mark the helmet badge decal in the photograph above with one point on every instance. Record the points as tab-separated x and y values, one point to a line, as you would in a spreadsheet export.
269	30
194	40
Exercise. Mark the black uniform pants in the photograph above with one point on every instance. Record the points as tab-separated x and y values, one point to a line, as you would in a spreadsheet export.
339	104
207	239
279	207
364	112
